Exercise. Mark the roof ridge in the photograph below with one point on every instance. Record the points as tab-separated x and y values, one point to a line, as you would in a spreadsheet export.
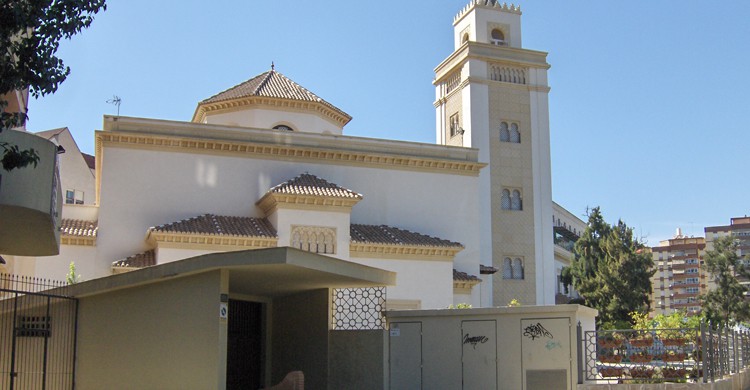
264	82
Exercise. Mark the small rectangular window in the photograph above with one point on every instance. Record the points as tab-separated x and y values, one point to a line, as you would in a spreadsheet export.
79	197
33	326
454	125
69	196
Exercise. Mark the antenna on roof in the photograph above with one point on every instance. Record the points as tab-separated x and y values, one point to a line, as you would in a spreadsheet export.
116	101
272	66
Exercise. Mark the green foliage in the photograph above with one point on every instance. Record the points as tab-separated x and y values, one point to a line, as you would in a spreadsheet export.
460	306
514	303
30	34
726	304
611	270
72	277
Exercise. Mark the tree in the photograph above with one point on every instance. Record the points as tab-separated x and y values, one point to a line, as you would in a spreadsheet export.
30	34
726	304
611	271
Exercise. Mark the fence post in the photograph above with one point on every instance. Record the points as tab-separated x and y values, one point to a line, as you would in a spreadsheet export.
735	366
581	349
710	350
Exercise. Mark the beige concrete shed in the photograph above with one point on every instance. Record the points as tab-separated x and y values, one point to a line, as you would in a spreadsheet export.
224	320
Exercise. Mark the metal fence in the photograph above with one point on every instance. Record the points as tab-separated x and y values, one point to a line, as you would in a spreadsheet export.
38	324
358	308
702	354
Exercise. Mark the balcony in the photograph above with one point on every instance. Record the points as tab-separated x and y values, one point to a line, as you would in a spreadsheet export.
30	200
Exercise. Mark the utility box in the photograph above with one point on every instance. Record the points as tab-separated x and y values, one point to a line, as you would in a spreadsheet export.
527	347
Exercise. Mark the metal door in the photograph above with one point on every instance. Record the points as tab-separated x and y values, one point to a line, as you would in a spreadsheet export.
546	353
405	358
479	355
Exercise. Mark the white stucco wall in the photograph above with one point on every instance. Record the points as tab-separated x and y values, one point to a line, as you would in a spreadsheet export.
144	188
266	118
422	280
75	174
284	219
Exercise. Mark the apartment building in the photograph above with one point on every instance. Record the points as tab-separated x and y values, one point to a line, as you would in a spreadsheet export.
679	278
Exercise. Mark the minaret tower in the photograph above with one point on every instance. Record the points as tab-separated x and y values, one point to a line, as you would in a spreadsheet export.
492	94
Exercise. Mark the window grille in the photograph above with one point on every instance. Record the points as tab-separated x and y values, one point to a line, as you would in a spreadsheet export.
358	308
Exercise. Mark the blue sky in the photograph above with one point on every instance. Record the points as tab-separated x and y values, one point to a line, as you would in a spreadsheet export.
648	103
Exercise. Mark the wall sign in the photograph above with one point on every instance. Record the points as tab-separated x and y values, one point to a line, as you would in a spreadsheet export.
223	311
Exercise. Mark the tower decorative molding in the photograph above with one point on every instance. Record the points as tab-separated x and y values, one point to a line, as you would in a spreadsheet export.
516	9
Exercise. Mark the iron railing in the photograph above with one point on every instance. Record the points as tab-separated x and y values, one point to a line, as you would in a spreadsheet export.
38	324
702	354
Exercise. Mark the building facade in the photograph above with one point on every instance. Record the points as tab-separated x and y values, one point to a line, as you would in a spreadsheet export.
492	94
266	163
679	278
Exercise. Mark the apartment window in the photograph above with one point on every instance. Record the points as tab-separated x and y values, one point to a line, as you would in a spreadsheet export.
513	268
73	197
509	132
454	127
691	281
691	271
692	290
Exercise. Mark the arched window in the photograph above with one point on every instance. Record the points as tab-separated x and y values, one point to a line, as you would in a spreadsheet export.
283	128
465	38
515	201
517	268
507	268
314	239
498	38
505	200
515	135
504	132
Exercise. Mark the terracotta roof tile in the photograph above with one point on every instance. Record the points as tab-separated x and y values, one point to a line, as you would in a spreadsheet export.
90	160
220	225
140	260
307	184
79	228
459	276
487	270
382	234
270	84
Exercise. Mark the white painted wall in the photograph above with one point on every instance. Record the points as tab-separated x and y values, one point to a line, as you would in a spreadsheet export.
418	279
480	19
267	118
75	174
144	188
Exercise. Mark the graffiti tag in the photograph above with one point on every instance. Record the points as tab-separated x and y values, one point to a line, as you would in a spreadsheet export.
536	331
475	340
552	345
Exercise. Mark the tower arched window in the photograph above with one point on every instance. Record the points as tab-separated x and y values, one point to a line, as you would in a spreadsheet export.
507	268
515	201
504	132
497	37
517	268
515	134
505	200
465	38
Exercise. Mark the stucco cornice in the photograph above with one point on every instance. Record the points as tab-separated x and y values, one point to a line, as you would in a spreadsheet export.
195	241
464	286
271	201
403	251
282	151
491	54
75	240
204	109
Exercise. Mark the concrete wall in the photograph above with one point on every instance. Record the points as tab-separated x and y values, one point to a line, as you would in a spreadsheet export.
300	337
358	359
521	348
164	335
736	381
